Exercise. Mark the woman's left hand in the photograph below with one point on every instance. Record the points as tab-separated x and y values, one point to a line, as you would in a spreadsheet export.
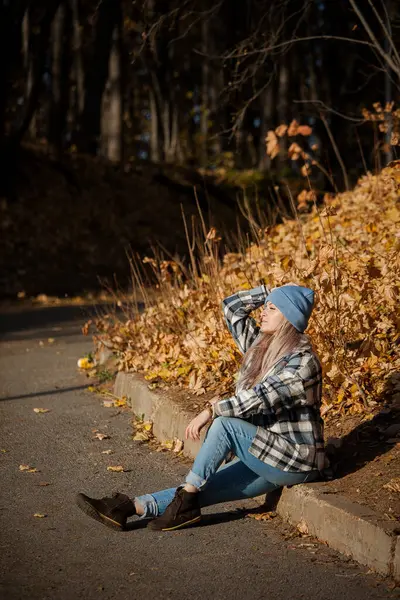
196	425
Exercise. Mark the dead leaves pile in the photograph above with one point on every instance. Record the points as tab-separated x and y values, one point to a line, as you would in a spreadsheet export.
393	485
348	252
143	432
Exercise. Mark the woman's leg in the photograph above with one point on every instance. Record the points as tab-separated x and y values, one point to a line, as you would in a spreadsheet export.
231	434
245	477
233	481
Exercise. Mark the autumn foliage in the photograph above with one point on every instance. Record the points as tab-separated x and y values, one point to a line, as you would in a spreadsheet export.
346	250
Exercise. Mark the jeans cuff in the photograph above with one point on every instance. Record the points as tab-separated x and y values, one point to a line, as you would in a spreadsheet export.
195	480
150	506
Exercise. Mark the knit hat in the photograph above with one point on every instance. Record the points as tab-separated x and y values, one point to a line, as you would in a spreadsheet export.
295	302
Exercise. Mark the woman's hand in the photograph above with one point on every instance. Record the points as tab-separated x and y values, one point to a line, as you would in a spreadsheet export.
196	425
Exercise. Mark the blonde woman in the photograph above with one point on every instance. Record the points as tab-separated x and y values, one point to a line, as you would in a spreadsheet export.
272	424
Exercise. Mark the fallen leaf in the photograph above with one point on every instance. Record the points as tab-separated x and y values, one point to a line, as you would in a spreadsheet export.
178	446
302	527
3	450
51	340
108	403
266	516
116	469
140	437
41	410
393	485
91	388
43	483
120	401
85	363
101	436
28	469
40	515
107	452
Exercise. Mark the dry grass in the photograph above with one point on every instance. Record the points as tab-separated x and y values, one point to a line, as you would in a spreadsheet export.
347	251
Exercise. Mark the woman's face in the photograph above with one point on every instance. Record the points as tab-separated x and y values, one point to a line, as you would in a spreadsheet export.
271	318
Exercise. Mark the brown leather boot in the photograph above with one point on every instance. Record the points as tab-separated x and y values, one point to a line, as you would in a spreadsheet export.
112	512
184	510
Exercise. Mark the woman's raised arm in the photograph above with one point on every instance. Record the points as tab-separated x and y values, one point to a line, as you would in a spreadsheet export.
237	309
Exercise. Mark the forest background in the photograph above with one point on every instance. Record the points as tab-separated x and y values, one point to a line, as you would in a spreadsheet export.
112	111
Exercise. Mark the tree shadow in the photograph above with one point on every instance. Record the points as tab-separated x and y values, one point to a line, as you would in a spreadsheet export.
45	393
35	322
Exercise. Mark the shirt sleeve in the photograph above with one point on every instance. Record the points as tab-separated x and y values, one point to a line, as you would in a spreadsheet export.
297	384
237	309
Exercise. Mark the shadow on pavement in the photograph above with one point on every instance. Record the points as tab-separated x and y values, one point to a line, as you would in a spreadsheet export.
29	322
206	521
46	393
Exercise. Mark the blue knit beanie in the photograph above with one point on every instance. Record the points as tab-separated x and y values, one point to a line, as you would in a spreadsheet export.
295	302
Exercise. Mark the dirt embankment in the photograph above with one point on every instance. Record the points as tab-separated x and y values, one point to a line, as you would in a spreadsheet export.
72	222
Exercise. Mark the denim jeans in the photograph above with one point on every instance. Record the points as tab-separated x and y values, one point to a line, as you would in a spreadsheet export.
244	477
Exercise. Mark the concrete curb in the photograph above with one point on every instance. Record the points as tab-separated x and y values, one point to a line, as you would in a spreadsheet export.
345	526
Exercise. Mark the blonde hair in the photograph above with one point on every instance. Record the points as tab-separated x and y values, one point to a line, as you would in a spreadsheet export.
266	351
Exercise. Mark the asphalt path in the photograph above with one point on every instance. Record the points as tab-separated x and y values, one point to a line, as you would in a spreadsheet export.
66	555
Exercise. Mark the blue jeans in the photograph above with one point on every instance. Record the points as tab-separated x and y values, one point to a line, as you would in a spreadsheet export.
244	477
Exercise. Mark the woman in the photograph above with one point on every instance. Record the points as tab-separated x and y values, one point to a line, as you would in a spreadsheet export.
272	424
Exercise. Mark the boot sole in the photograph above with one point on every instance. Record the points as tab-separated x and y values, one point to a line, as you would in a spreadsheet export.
90	511
185	524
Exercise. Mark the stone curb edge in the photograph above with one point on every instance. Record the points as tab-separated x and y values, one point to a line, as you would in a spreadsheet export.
345	526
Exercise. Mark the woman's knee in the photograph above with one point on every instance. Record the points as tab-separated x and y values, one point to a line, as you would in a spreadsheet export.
219	423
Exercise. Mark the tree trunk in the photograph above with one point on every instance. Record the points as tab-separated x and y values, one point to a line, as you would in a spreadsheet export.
108	17
11	19
78	77
217	115
39	62
114	113
267	122
283	104
154	138
28	66
204	107
61	34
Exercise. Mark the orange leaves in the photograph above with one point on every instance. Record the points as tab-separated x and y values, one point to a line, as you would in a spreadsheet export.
272	144
347	251
281	130
295	151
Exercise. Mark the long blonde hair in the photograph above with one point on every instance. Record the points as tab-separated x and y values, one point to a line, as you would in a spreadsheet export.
266	351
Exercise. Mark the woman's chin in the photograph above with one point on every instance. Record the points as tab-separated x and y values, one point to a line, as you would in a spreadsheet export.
265	329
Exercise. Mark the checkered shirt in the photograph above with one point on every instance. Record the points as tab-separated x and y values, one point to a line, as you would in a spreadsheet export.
285	405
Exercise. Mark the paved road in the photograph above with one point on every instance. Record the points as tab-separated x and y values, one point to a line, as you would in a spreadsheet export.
67	556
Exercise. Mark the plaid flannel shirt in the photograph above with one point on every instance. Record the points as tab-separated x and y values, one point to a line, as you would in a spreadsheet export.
285	405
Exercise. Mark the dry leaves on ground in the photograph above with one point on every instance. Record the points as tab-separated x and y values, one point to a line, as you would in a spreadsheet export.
116	469
393	485
302	527
265	516
28	469
85	363
349	253
101	436
41	410
143	431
